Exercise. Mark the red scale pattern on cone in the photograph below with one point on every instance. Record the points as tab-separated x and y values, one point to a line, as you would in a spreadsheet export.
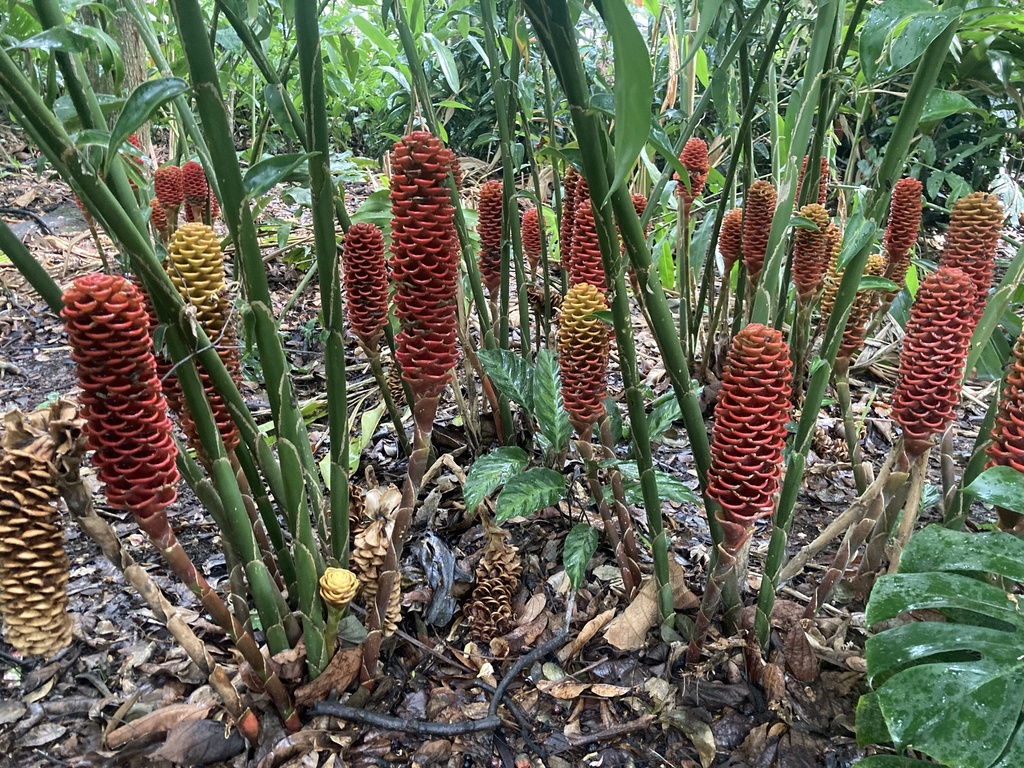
586	265
583	355
759	208
730	238
127	424
168	186
158	216
694	159
811	252
901	231
932	362
164	367
193	183
424	262
750	430
824	177
366	281
489	229
530	228
568	222
975	226
1007	447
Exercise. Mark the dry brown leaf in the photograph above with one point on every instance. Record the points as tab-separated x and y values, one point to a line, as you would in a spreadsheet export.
606	691
159	721
562	689
201	742
342	670
586	634
533	608
629	631
696	730
800	658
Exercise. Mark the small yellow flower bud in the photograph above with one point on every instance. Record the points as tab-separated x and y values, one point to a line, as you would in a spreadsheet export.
338	586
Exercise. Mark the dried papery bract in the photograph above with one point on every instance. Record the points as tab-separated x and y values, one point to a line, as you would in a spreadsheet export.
196	268
583	356
33	563
1007	446
531	238
810	252
749	434
570	182
758	210
932	362
586	265
490	610
376	521
366	282
901	230
730	239
489	213
975	226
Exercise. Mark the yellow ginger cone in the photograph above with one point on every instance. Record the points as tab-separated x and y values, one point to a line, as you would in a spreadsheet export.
33	563
337	587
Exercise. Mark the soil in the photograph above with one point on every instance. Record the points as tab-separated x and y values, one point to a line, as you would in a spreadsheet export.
639	707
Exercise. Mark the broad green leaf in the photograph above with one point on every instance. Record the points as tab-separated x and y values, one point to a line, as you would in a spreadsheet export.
143	102
870	722
57	39
376	209
663	415
580	545
512	375
634	88
376	35
1000	487
491	470
942	103
670	487
940	549
448	67
547	401
875	283
267	173
524	494
896	33
892	761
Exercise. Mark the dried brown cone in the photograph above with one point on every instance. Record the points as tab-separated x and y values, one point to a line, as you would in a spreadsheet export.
758	210
901	231
730	239
394	382
861	312
583	355
932	362
570	181
975	226
1007	446
370	546
810	252
490	608
33	564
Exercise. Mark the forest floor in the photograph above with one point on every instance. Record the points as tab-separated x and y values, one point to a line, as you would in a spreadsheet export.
124	694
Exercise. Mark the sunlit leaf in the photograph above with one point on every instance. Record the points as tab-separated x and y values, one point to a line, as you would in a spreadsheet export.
491	470
268	173
143	102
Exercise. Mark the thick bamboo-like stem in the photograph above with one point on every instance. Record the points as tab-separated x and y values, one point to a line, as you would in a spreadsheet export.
911	510
373	353
799	344
956	510
30	269
723	586
390	578
629	569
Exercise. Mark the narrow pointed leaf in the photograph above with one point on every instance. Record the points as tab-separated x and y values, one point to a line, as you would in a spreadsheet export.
266	174
143	102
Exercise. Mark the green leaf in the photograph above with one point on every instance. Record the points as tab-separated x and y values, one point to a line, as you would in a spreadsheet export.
604	315
267	173
448	67
670	487
580	545
802	222
491	470
634	88
663	415
524	494
896	33
893	761
1000	487
547	401
510	373
274	96
143	102
875	283
870	723
376	36
942	103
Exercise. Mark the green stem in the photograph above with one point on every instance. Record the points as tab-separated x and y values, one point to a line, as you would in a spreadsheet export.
31	269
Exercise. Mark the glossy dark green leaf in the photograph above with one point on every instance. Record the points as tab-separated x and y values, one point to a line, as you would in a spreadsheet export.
940	549
376	209
143	102
490	471
870	722
670	487
896	33
875	283
634	88
892	761
268	173
510	374
524	494
802	222
547	401
942	103
1000	487
580	545
662	417
275	96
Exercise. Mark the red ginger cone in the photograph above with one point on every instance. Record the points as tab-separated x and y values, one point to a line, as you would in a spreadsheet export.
127	424
730	238
694	159
568	222
583	356
425	261
488	226
750	431
586	265
824	175
158	217
932	362
1007	447
971	241
168	185
901	231
366	282
530	228
811	252
758	210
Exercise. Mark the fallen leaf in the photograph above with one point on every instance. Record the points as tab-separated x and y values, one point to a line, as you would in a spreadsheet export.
800	658
562	689
155	722
202	742
697	731
42	734
340	673
606	691
628	632
590	629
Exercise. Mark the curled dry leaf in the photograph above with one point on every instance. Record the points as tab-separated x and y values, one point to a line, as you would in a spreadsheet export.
156	722
340	673
590	629
629	631
800	659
